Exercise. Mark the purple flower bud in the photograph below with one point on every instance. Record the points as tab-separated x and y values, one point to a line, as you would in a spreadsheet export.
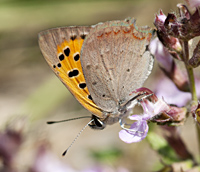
168	41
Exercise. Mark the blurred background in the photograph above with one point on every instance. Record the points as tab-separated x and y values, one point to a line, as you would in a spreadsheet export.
30	93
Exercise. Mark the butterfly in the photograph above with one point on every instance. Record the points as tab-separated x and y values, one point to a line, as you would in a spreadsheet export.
100	65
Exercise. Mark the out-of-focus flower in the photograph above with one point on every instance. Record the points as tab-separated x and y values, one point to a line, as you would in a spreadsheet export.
156	110
105	169
10	142
193	3
45	161
168	65
172	95
161	54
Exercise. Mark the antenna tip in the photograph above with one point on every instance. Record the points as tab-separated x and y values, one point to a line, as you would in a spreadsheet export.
50	122
64	153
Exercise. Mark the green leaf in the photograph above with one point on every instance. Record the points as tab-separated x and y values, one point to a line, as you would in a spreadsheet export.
161	146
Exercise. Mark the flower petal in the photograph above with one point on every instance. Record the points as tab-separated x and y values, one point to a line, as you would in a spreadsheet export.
140	130
135	117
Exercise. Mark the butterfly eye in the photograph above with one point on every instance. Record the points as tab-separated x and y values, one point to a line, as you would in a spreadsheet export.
97	123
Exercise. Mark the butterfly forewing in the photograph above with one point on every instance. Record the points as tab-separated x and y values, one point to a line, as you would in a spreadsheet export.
115	62
61	48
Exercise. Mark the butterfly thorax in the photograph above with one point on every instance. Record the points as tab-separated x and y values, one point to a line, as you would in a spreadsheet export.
109	118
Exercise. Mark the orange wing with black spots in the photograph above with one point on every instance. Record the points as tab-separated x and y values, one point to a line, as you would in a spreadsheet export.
61	48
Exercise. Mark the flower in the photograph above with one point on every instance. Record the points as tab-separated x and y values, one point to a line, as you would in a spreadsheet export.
181	98
193	3
156	110
161	54
162	90
46	161
10	141
168	65
139	130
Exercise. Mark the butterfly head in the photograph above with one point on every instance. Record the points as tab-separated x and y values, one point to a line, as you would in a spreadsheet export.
97	123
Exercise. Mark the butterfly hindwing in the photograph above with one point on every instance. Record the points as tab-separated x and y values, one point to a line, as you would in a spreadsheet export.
116	61
61	48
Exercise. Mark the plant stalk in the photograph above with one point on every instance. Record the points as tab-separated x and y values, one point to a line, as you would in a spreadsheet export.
191	83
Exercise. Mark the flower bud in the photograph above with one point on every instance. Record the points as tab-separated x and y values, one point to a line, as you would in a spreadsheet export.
168	41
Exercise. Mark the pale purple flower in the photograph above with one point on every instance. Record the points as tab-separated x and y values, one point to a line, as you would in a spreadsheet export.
155	110
46	161
10	141
174	96
161	54
168	65
193	3
139	129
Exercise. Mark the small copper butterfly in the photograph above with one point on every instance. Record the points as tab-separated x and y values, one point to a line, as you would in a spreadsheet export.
100	65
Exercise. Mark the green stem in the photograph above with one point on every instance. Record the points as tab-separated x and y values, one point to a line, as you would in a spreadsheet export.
190	73
191	83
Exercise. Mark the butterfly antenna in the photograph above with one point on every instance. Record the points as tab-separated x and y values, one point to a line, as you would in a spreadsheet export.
76	137
71	119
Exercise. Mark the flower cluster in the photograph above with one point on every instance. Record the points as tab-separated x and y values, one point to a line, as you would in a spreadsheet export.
168	106
175	31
